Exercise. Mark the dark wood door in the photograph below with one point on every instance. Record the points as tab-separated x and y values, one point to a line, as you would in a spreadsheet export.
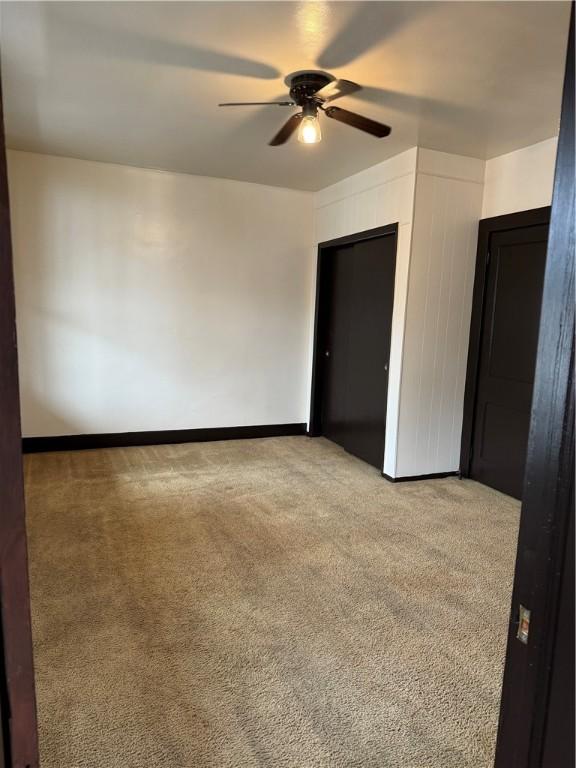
508	347
359	292
17	701
537	712
558	742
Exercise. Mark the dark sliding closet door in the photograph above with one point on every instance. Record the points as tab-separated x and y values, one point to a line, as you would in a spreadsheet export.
358	292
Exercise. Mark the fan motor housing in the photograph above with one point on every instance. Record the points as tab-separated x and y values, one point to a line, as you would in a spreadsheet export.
303	86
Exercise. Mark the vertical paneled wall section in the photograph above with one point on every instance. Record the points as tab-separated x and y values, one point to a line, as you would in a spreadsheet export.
448	204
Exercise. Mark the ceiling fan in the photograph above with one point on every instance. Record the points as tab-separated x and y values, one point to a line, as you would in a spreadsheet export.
311	91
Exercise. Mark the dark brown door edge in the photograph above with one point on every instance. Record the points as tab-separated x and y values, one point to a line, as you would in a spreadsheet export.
536	727
18	704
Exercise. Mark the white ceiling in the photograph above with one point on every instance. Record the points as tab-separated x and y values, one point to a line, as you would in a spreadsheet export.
139	82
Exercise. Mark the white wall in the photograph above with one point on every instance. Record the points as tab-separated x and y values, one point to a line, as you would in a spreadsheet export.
150	300
383	194
520	180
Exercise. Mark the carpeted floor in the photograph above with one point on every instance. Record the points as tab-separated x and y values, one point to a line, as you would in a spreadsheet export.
264	604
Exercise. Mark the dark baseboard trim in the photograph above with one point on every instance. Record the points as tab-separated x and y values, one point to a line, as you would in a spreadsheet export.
435	476
161	437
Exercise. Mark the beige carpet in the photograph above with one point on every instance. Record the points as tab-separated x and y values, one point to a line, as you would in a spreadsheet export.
266	603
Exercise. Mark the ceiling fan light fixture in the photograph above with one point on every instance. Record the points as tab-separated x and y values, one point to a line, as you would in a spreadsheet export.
312	91
309	131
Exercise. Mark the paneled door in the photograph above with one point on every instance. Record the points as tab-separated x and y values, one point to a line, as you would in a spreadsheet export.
509	338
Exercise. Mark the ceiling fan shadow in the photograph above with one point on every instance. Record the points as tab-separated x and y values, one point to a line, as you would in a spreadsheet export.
118	43
371	23
418	106
195	57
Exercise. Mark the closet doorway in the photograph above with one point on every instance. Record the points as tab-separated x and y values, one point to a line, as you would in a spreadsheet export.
354	302
508	287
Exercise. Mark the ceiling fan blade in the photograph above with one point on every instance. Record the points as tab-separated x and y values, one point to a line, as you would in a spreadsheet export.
337	89
287	130
257	104
358	121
